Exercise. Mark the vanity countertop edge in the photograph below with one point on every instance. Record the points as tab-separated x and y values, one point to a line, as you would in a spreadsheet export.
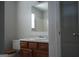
34	40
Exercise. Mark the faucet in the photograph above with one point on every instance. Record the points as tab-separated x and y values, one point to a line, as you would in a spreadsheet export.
41	36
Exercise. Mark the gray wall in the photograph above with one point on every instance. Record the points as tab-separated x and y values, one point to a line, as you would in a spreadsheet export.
54	29
10	23
23	19
1	27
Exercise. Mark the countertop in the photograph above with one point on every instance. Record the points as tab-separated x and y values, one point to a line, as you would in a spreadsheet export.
35	40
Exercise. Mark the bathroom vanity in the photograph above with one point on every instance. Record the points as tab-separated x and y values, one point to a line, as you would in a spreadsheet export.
33	48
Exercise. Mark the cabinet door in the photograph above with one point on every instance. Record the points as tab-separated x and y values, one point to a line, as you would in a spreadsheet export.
43	46
23	44
40	53
32	45
26	52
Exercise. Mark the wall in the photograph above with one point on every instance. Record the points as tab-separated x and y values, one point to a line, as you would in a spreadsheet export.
54	29
1	27
23	19
10	23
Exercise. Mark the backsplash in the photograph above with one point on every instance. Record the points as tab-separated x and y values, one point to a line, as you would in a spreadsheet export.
39	34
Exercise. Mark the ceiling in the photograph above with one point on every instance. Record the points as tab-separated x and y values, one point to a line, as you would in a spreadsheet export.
42	6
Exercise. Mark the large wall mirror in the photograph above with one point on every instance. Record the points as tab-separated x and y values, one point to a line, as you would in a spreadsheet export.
39	17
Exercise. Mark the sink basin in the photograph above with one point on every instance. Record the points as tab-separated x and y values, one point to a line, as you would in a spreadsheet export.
41	38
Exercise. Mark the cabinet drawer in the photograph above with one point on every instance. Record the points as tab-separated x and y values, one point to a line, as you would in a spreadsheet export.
32	45
40	53
26	52
23	44
43	46
26	55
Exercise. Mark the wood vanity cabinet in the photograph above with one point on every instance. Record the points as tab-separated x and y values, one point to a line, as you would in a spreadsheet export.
32	45
23	44
25	52
43	46
33	49
40	53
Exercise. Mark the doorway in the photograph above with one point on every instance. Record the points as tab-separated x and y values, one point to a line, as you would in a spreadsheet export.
69	29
